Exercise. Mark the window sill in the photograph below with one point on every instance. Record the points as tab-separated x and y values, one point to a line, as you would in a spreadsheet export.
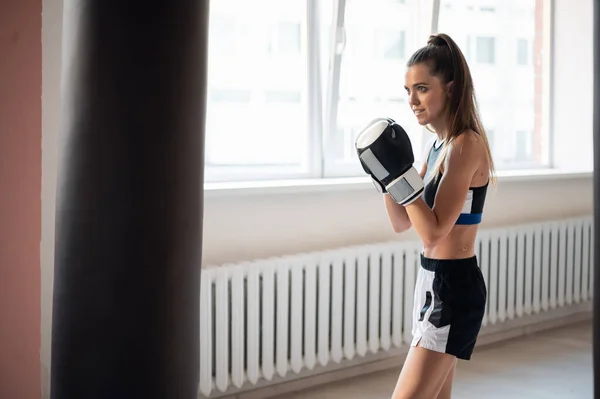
296	186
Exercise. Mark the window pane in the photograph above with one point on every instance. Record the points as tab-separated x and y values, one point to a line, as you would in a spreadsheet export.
257	91
486	50
500	40
522	52
371	81
523	146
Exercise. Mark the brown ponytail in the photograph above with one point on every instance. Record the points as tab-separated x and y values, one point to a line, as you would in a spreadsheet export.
447	62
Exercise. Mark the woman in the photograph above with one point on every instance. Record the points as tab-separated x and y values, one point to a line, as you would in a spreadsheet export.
450	292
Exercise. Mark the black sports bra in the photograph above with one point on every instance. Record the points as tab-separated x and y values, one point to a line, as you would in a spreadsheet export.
472	210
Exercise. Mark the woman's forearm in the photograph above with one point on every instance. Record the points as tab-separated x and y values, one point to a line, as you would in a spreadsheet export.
397	214
424	221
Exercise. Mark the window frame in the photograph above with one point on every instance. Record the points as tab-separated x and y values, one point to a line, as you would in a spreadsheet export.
323	101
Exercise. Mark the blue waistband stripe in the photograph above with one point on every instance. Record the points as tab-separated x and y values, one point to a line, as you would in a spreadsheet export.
469	218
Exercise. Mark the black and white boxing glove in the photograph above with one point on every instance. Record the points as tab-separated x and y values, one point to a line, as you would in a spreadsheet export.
385	153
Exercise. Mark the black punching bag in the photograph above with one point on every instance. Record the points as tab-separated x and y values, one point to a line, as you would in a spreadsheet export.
130	200
596	261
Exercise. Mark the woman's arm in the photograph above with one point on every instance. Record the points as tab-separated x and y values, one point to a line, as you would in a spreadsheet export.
396	212
462	160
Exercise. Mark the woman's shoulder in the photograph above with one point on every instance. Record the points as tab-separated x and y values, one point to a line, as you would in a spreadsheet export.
468	143
468	153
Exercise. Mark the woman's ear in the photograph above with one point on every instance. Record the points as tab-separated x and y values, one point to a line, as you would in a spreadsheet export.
449	87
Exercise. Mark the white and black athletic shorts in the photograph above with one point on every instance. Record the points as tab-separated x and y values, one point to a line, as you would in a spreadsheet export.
449	303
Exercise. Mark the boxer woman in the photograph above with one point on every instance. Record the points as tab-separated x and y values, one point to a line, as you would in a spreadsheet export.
450	292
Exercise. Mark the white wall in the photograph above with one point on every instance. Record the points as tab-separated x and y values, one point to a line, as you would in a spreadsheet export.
573	79
257	222
256	225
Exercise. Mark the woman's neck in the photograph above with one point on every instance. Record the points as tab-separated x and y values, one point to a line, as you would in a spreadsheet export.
440	132
440	127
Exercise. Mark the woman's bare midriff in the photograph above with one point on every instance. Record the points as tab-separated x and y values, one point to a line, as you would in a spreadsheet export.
458	244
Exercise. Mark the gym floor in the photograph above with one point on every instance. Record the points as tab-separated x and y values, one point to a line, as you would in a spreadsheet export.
551	364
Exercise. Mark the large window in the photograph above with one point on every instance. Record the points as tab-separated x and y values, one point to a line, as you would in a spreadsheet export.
509	64
291	83
257	96
368	78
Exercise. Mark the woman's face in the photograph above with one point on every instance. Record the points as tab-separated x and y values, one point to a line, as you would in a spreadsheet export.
427	96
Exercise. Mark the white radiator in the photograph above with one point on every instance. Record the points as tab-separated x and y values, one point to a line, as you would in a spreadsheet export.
270	320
